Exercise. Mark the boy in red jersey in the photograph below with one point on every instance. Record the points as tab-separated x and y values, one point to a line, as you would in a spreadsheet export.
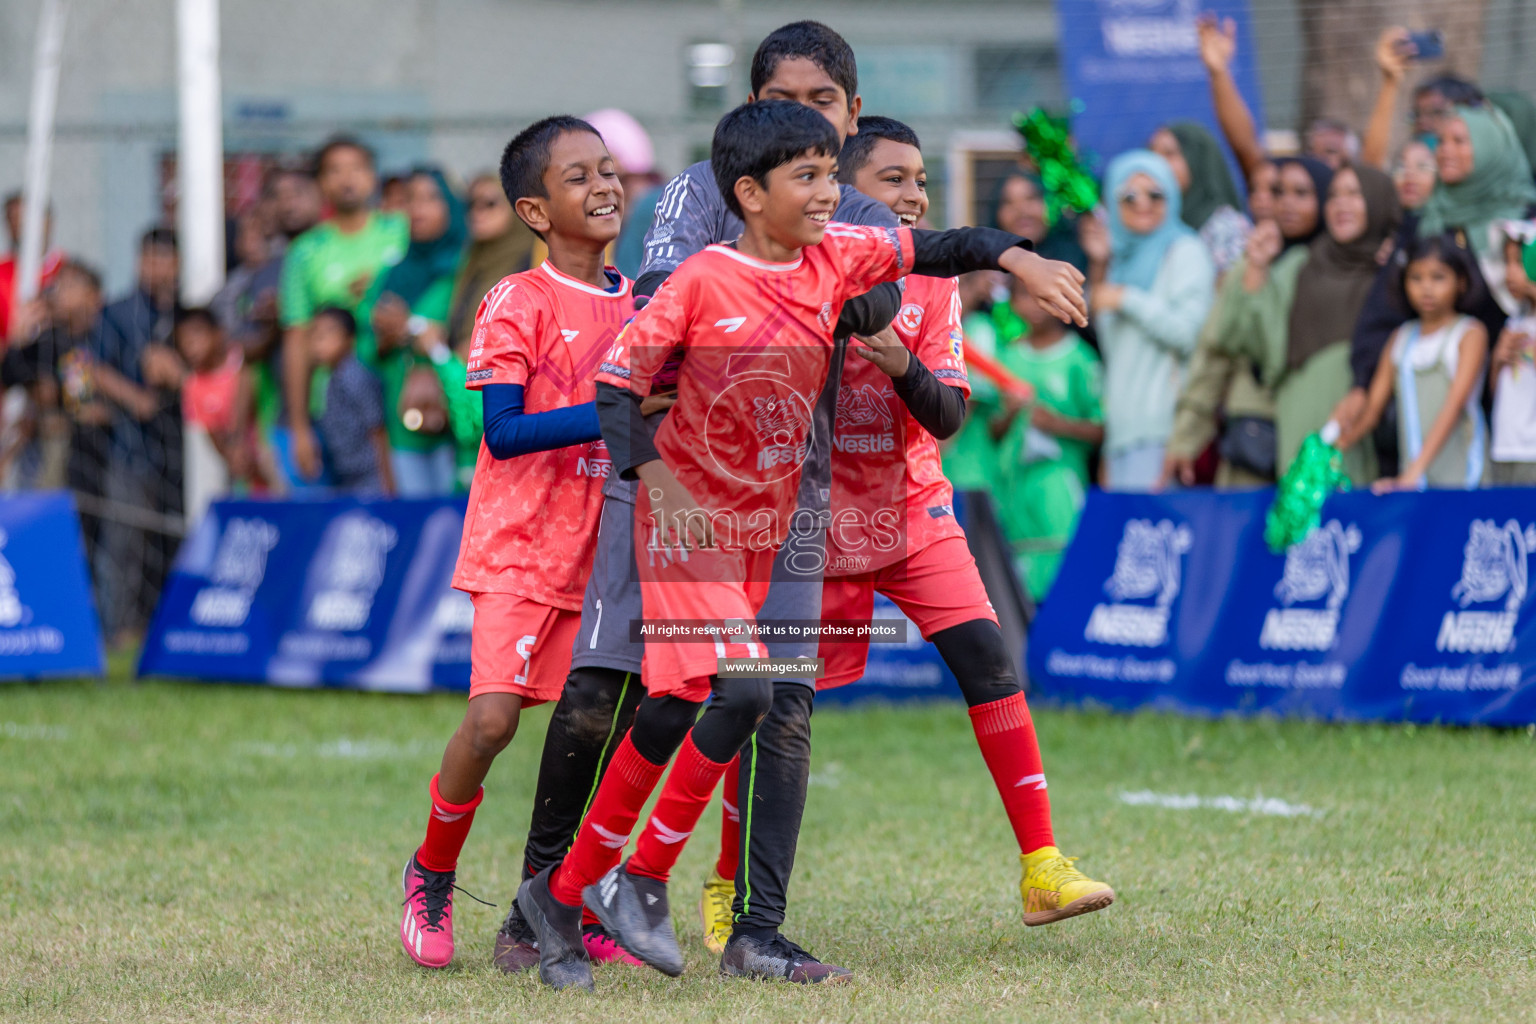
532	517
929	572
719	480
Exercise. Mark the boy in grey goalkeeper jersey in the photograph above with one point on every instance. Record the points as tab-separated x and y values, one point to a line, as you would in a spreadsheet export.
811	64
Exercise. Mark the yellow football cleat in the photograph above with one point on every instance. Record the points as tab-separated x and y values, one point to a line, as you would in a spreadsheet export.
715	910
1054	890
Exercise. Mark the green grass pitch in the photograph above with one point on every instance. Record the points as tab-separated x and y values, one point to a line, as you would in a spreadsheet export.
177	852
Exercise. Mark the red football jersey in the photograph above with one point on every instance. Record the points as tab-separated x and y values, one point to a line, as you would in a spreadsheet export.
889	494
756	341
531	525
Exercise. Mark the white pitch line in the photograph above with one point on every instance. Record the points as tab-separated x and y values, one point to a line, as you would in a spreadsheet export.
1234	804
27	731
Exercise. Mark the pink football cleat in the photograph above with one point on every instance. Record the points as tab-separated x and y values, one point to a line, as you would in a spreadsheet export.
426	928
601	949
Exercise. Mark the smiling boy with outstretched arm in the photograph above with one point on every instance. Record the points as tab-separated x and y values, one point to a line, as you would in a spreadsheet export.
717	485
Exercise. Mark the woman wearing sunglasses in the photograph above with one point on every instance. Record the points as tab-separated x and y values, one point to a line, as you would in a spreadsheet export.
1151	283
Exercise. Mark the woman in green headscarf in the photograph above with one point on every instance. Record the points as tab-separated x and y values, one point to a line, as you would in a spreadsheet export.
1485	178
410	298
1212	204
1522	117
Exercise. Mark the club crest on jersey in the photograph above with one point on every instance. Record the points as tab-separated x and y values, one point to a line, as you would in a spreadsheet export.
956	344
910	317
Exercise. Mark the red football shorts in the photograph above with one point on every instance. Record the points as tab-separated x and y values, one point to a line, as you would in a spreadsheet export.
938	587
688	589
520	646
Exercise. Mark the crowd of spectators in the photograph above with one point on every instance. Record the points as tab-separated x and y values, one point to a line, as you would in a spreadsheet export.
1388	293
1233	315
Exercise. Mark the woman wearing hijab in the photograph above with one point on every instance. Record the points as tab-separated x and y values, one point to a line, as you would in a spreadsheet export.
1211	203
1224	389
1152	283
1294	321
410	299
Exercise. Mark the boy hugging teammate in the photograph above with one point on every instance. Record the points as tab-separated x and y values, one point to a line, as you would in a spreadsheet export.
932	578
531	524
712	513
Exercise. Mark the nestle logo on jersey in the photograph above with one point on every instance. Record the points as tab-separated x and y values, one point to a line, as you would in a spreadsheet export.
864	444
781	455
600	468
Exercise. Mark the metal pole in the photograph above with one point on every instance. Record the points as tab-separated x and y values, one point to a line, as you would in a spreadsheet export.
45	100
200	157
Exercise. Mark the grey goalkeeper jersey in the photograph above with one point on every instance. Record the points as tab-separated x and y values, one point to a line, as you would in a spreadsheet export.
692	214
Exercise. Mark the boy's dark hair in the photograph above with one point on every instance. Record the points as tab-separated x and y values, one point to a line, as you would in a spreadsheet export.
336	142
1445	248
1454	88
814	42
756	137
83	270
197	315
345	320
159	238
858	146
526	157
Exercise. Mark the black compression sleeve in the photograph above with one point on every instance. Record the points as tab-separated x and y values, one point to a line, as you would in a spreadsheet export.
869	314
961	250
624	430
937	406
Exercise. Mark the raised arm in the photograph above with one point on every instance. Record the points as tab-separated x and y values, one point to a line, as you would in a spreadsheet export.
1218	44
1392	51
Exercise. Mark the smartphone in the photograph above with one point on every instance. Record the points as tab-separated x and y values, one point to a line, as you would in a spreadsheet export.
1427	45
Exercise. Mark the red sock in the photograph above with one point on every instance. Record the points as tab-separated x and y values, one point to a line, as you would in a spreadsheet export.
683	799
447	828
626	786
1006	735
730	821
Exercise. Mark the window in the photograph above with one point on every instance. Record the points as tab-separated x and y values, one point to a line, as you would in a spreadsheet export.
1010	78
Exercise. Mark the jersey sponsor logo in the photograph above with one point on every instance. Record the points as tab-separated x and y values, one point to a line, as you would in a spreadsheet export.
910	317
1495	566
597	468
569	336
1316	570
864	444
1143	586
732	324
485	374
863	406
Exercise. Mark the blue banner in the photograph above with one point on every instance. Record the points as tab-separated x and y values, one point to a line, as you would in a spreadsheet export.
351	593
339	592
1409	606
1133	65
48	624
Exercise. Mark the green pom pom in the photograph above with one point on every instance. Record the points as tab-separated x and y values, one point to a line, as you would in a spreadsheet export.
1048	141
1317	472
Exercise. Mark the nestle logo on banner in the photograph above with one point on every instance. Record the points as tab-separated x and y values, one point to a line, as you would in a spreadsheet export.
1148	567
239	566
455	613
1149	28
1316	569
353	574
1494	566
